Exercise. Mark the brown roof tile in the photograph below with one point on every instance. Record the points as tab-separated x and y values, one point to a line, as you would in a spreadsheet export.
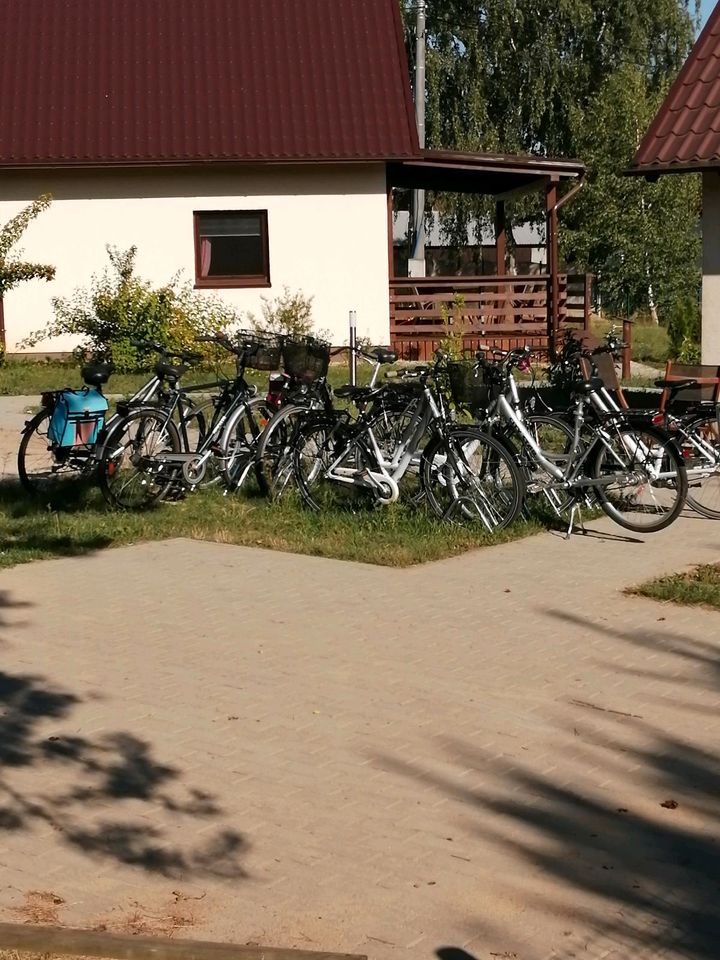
685	134
176	81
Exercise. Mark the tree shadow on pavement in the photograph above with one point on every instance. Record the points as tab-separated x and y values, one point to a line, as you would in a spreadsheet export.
107	796
625	823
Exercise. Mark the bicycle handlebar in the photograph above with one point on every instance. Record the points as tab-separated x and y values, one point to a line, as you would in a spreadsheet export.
185	356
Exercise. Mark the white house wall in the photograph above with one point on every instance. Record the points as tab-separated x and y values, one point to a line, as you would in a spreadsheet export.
327	228
711	268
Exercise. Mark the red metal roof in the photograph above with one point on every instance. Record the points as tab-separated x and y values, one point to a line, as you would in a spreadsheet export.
88	82
685	134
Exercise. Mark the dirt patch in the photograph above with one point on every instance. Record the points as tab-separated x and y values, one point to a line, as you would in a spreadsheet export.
40	907
162	920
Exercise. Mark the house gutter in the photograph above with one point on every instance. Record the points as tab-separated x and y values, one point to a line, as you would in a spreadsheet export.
570	194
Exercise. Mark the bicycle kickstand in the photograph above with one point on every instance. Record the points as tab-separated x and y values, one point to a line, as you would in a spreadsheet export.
575	511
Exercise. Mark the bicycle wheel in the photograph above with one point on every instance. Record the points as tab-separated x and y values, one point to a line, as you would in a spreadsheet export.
701	453
320	444
648	482
275	450
44	470
396	423
239	443
554	436
131	475
470	476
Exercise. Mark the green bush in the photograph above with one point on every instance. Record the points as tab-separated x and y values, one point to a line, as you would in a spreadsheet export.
290	313
119	307
13	270
684	330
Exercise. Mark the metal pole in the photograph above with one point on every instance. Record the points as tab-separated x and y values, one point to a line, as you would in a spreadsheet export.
418	251
353	346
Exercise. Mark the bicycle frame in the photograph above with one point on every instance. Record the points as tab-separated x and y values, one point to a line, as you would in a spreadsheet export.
387	474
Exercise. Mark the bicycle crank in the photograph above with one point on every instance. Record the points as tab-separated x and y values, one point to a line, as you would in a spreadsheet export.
384	487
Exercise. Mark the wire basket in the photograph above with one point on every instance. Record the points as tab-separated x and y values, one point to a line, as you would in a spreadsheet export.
307	358
260	351
470	385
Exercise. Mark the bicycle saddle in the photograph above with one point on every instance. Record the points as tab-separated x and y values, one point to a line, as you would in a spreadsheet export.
383	355
588	386
95	374
169	371
352	393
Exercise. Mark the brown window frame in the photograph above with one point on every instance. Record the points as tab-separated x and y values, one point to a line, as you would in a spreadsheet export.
230	282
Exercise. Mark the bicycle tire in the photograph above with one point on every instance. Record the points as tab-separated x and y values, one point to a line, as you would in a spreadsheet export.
275	450
118	493
452	483
663	449
318	443
554	436
238	452
707	427
45	483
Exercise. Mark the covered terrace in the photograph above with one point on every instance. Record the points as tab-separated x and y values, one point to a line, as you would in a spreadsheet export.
503	309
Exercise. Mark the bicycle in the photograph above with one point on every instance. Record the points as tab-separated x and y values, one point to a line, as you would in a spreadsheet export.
151	454
632	468
696	430
43	462
465	474
275	450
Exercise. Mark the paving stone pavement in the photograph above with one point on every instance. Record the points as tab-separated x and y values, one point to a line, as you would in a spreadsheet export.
14	411
219	742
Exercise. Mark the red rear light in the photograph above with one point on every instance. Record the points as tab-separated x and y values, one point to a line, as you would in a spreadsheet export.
658	419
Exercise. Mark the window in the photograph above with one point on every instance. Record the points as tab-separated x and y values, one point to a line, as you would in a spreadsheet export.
231	249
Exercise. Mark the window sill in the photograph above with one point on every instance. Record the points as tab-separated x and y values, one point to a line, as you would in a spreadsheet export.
225	283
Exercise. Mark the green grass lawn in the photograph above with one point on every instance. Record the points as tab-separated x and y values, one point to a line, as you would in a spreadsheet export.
26	378
649	342
397	536
700	586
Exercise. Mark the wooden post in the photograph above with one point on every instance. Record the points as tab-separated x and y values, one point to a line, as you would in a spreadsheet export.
91	943
587	303
391	246
551	198
501	255
500	239
627	350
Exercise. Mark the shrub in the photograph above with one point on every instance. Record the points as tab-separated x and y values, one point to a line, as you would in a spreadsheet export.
455	326
290	313
119	307
12	269
684	330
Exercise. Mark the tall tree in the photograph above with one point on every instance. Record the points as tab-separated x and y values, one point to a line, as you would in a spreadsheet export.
547	77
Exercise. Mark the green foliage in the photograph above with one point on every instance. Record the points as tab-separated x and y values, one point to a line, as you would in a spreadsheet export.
700	586
14	270
640	239
119	307
398	536
290	313
684	330
573	78
454	327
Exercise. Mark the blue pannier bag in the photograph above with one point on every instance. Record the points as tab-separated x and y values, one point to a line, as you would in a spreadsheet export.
78	417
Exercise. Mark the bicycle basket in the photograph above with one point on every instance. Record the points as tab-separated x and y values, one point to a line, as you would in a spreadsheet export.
307	359
261	351
469	386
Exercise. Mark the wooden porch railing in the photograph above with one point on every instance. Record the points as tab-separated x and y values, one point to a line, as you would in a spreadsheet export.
496	311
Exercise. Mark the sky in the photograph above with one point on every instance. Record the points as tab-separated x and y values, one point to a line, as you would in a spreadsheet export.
707	6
